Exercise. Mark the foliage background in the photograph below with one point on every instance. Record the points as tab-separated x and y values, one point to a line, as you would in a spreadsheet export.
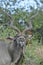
20	16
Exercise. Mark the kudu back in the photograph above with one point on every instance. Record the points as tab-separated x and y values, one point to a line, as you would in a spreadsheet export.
5	58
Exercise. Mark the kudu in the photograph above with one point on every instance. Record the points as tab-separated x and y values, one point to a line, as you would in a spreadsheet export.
16	48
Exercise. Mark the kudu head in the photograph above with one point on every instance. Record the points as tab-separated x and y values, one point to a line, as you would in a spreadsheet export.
21	37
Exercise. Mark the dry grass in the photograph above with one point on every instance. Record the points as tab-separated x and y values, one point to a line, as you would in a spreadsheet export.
39	51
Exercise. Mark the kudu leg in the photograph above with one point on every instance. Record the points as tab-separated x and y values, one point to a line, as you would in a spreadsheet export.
20	61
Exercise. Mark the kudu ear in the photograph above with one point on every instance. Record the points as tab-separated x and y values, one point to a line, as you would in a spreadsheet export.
10	38
28	34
